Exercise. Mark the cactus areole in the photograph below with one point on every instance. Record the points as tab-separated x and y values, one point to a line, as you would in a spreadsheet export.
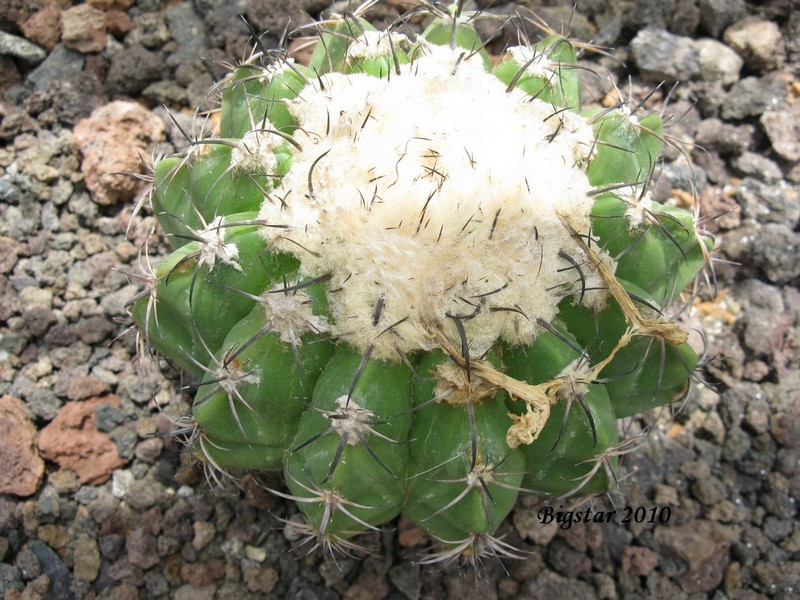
419	281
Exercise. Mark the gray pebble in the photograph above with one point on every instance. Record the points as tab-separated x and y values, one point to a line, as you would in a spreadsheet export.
663	56
140	388
40	400
718	62
186	28
10	578
782	127
144	493
768	203
142	549
717	15
685	177
156	584
111	545
751	96
47	506
62	63
758	166
149	30
55	569
125	438
108	417
21	49
771	248
133	69
777	529
28	564
166	92
758	41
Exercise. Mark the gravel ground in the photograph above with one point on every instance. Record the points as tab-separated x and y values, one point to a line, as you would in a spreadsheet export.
92	504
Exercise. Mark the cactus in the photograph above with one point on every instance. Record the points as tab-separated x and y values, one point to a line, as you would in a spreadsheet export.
418	282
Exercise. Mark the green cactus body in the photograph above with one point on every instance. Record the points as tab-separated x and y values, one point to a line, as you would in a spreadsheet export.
417	283
464	483
348	465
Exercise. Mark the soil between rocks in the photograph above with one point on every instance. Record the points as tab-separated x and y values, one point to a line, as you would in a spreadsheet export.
93	505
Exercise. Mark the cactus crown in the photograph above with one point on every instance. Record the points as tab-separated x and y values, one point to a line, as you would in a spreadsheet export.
417	281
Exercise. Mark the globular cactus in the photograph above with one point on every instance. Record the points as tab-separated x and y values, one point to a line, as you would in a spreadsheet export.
419	281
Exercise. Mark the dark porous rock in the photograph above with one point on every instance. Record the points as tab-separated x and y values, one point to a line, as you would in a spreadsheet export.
149	30
785	418
725	138
717	15
646	13
13	122
133	69
165	93
28	564
188	30
61	64
142	549
782	580
555	587
764	321
273	18
13	13
685	18
703	547
40	400
125	437
771	248
125	571
567	561
68	100
145	493
406	578
777	529
111	545
683	176
10	78
108	417
638	560
10	579
759	167
751	96
792	37
782	127
225	28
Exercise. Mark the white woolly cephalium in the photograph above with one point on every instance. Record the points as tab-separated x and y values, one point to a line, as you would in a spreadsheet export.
432	195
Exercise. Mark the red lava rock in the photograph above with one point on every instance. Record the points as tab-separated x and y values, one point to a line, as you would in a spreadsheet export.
785	426
408	534
118	23
639	561
109	140
44	27
22	467
86	387
73	442
83	28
